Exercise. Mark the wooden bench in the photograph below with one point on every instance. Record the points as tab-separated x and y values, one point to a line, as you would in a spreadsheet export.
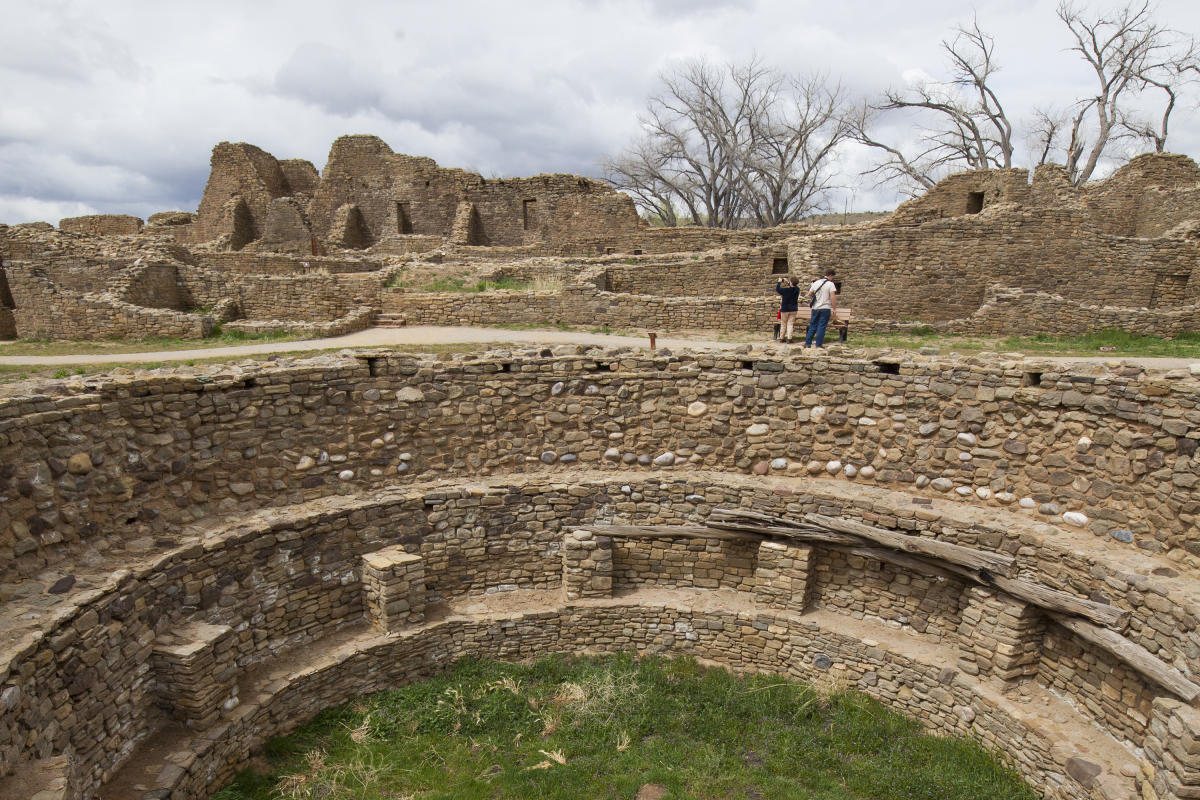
840	320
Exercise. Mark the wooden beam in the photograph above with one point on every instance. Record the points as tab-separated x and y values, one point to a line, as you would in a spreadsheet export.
1137	657
808	533
670	532
1062	602
903	561
969	557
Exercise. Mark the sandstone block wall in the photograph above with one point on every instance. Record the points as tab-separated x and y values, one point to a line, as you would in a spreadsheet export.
266	586
394	583
102	225
1118	448
44	310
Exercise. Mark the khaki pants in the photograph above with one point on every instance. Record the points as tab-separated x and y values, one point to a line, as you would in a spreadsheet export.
786	320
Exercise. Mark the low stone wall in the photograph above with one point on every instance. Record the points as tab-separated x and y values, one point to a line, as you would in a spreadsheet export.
247	591
359	319
44	310
102	225
1118	447
244	263
1007	311
582	305
316	297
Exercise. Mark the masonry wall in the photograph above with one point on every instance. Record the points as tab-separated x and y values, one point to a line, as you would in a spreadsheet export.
1119	448
314	297
44	310
864	588
282	580
102	225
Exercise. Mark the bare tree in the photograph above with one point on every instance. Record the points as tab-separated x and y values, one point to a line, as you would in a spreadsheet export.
793	138
1171	76
912	173
732	145
1128	51
965	122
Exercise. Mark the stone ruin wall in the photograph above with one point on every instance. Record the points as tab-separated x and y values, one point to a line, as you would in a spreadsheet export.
1125	459
369	195
163	472
102	225
937	260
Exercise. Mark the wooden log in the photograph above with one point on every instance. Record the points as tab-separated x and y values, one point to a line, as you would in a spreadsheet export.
752	517
670	532
1062	602
1048	599
994	563
903	561
808	533
1137	657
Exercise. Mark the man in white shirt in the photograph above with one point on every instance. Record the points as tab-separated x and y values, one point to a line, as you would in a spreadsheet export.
823	295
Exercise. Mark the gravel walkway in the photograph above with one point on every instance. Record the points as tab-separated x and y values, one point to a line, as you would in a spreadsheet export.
432	334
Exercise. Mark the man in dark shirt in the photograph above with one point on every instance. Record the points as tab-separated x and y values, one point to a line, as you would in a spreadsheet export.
789	296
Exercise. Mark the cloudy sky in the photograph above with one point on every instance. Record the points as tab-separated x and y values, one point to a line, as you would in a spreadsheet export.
114	107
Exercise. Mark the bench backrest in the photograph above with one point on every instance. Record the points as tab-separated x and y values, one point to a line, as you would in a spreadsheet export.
840	315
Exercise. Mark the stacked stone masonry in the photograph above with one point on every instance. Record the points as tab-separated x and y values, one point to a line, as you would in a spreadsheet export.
278	242
169	538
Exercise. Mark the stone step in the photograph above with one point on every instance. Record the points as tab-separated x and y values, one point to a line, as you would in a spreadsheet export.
390	321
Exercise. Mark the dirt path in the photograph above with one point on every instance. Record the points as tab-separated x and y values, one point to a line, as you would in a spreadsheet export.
431	335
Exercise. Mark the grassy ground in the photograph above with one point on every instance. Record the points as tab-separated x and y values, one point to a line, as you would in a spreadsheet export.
603	727
12	373
48	347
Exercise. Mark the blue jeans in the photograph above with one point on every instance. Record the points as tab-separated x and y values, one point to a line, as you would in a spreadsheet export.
816	326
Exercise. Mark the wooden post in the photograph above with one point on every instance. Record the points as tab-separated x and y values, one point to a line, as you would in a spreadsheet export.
653	336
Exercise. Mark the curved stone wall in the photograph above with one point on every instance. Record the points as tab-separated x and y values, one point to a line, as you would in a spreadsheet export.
226	588
109	460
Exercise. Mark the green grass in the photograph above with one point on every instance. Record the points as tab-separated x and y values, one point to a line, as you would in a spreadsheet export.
219	338
535	326
464	285
1186	345
603	727
10	373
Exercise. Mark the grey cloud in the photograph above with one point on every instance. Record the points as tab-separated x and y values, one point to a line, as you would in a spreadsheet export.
327	78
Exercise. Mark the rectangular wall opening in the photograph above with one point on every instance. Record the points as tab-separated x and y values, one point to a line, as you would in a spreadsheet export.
6	298
528	213
403	218
779	266
974	202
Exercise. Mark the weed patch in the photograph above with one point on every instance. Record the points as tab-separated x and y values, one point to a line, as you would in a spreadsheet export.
602	727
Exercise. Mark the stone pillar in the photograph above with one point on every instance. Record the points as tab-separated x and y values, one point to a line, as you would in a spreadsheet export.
394	584
999	635
781	576
1172	745
587	565
196	674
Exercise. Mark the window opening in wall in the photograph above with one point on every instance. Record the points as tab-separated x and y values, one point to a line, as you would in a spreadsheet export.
1032	379
888	367
528	212
6	298
506	366
974	202
747	365
637	251
608	251
372	366
779	266
403	218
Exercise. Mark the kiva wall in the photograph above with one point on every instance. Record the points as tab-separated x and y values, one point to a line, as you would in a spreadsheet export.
1118	448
